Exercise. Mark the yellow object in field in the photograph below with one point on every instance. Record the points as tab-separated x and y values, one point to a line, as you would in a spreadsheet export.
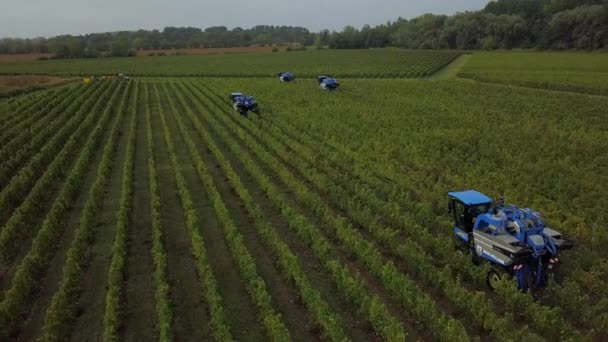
87	80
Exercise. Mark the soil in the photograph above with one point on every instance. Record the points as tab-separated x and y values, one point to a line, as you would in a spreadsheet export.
13	85
23	57
207	51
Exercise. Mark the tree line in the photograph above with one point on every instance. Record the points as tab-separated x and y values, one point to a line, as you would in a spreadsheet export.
502	24
126	43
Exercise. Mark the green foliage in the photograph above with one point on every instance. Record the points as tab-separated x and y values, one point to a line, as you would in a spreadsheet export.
555	6
371	163
338	134
30	134
162	287
218	323
287	260
531	9
578	72
534	27
356	63
28	190
591	28
116	273
62	310
31	270
399	285
255	284
352	287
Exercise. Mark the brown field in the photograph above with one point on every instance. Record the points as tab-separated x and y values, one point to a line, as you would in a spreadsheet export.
22	57
15	83
206	51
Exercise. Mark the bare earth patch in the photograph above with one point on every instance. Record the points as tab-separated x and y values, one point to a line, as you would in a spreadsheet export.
23	57
207	51
14	84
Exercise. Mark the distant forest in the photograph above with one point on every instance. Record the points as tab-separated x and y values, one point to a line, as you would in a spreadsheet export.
502	24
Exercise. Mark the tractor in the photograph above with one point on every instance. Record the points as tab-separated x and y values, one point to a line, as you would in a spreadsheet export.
515	241
327	83
243	103
286	77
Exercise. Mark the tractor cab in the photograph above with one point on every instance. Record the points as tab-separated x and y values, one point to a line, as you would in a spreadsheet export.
327	83
286	76
235	96
515	241
243	103
465	207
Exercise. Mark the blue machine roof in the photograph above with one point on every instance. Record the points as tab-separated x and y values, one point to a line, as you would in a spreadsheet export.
470	197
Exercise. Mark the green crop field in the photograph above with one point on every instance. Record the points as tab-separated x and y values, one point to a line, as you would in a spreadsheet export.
342	63
151	210
569	71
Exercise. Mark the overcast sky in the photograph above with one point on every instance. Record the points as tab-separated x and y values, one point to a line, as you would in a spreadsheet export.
30	18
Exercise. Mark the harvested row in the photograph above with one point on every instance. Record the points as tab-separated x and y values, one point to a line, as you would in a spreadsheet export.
23	221
62	310
15	111
27	279
15	192
114	294
161	285
32	115
17	152
219	328
255	284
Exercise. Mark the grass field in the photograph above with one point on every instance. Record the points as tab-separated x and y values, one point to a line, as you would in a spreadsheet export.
569	71
342	63
149	209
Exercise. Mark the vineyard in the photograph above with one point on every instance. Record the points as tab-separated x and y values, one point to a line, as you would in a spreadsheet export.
150	210
390	63
577	72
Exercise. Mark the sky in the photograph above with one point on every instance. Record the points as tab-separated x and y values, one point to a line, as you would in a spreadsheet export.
46	18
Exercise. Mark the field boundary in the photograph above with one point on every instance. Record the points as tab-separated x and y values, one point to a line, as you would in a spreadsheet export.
529	86
451	70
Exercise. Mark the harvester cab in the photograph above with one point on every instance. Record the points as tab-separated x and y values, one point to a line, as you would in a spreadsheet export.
286	77
327	83
243	103
513	240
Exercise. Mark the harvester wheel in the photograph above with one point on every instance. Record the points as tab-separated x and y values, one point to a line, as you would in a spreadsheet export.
493	279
